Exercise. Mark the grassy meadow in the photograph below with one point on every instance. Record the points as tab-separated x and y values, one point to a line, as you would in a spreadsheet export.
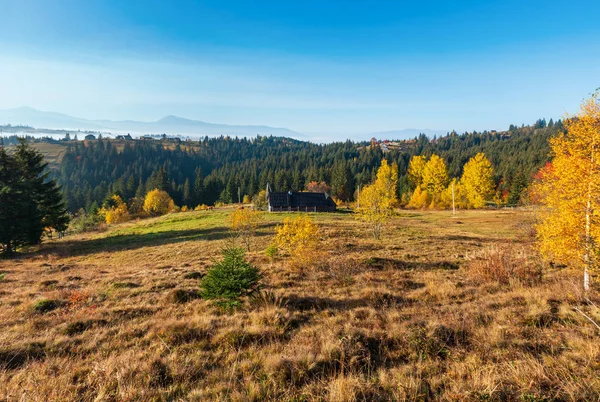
116	316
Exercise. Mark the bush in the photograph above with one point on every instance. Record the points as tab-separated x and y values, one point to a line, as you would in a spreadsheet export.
45	306
244	222
84	222
299	238
505	265
230	279
259	201
114	210
271	251
158	202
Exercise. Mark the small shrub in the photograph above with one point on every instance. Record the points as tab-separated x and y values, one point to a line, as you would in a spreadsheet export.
271	251
299	238
46	305
505	265
84	222
2	277
158	202
244	222
193	275
230	279
78	327
181	296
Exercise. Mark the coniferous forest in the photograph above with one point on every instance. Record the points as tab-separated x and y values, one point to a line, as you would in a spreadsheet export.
223	169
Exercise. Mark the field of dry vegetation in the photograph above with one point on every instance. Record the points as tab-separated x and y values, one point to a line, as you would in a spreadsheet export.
442	308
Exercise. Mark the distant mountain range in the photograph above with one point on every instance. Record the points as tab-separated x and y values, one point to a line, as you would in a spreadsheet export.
174	125
167	125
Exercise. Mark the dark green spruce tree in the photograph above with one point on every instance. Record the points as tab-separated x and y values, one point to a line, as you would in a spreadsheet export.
29	201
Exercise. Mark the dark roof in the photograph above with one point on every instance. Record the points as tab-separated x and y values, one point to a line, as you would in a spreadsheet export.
299	199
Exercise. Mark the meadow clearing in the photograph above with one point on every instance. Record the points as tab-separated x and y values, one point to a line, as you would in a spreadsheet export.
115	315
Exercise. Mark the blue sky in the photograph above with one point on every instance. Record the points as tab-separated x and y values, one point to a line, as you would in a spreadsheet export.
341	67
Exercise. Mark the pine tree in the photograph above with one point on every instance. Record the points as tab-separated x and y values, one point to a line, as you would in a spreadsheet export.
29	201
187	193
198	187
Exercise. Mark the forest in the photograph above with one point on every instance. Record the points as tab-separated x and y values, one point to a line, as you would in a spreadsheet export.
225	169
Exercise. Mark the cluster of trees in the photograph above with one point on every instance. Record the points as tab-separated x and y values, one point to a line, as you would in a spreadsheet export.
226	169
434	189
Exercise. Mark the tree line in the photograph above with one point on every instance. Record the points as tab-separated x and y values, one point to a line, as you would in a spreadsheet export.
225	169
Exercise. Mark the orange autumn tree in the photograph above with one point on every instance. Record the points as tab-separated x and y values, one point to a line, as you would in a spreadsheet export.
569	228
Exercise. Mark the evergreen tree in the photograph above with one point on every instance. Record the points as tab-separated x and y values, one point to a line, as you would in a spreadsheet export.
29	201
187	193
198	186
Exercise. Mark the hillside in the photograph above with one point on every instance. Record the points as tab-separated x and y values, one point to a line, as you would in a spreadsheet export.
407	318
213	169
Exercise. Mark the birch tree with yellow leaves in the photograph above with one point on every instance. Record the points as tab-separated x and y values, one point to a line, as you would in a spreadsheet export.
377	201
435	178
478	180
569	230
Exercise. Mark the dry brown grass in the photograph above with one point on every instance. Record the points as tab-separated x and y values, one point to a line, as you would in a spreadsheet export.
417	316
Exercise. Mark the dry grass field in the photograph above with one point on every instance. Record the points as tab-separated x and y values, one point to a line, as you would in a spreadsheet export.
427	313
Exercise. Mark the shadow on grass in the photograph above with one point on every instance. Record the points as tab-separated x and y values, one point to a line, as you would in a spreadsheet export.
122	242
378	300
378	263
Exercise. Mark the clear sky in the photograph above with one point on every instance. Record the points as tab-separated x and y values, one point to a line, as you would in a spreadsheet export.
311	66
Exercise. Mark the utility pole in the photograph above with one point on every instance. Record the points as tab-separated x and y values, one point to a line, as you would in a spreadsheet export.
239	195
358	197
453	205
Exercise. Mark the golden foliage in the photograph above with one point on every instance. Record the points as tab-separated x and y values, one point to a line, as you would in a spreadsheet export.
259	201
478	180
244	222
435	176
117	213
415	169
158	202
569	230
419	199
299	238
377	201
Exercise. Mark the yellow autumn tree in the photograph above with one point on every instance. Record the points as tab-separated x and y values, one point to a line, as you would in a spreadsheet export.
377	201
419	199
114	210
244	222
569	230
415	170
158	202
435	177
298	238
478	180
